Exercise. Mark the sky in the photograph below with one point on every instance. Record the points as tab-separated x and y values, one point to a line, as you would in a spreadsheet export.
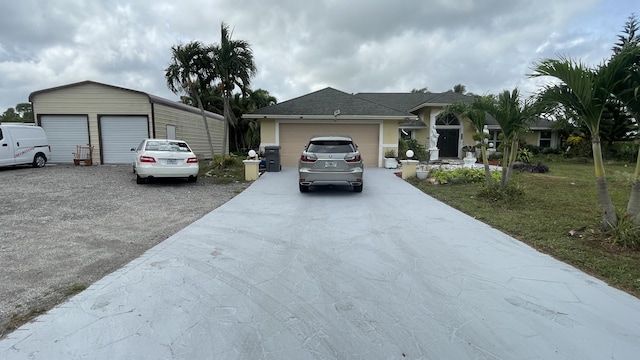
303	46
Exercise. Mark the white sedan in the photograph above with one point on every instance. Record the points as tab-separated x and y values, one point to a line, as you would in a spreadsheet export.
160	158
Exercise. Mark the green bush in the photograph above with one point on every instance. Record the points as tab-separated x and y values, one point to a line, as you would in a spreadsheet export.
626	233
510	194
462	176
419	151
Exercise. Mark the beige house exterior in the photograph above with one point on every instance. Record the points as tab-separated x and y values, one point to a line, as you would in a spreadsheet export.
113	120
376	121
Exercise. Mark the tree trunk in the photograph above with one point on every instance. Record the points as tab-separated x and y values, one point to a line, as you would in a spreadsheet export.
206	125
633	207
485	161
227	119
609	216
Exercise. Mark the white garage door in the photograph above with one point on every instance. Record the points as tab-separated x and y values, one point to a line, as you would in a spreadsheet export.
119	134
65	133
293	137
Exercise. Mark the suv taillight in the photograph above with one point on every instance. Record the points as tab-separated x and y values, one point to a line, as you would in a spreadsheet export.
352	158
308	158
147	159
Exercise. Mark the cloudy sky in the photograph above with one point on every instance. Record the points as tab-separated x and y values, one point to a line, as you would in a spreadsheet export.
303	46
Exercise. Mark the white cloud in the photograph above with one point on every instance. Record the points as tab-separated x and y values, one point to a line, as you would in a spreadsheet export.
299	46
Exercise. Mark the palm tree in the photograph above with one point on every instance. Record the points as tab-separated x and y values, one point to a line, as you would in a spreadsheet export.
476	114
583	93
189	72
627	91
513	115
233	61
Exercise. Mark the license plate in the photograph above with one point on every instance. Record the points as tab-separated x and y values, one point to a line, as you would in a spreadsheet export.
330	164
171	161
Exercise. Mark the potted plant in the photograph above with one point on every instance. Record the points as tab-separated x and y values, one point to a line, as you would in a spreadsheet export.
390	159
422	172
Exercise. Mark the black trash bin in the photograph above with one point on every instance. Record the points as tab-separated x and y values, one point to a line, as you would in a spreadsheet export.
272	156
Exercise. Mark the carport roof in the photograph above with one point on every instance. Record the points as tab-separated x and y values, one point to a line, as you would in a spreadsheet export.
330	102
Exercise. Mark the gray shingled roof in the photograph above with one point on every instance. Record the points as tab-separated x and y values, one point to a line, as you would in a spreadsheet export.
326	101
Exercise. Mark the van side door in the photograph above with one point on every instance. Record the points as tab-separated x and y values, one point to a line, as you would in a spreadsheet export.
6	148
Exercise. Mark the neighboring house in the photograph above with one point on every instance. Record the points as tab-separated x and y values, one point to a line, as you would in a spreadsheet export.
113	119
376	121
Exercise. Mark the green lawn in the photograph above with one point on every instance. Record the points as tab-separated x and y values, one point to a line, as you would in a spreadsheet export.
555	203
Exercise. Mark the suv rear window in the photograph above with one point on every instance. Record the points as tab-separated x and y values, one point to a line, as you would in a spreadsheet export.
330	146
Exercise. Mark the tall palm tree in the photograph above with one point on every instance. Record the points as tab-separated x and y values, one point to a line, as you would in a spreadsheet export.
628	92
233	61
583	94
189	72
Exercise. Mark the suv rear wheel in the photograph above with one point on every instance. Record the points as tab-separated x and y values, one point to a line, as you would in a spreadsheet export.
304	188
357	188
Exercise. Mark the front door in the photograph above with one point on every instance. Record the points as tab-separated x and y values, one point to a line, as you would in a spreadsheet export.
448	142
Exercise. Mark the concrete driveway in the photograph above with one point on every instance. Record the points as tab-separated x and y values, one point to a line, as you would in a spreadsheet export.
389	273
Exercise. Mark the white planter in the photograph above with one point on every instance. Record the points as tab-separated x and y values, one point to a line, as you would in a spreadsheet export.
422	174
390	163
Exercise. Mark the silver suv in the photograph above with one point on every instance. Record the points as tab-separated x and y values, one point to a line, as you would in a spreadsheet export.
330	160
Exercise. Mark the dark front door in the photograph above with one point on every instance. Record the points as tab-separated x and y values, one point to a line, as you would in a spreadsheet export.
448	142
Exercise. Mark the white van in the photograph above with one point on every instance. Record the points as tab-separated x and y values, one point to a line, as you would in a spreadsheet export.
23	144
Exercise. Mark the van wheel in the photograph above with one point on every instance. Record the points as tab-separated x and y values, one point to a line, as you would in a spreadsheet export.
39	161
140	180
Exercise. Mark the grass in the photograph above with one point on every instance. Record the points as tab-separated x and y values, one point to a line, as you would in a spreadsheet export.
555	204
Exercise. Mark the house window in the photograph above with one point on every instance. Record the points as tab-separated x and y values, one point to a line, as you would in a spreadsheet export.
545	139
448	119
494	138
406	134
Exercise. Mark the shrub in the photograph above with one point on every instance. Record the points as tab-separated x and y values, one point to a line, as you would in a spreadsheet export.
419	150
539	168
511	193
524	156
626	233
462	176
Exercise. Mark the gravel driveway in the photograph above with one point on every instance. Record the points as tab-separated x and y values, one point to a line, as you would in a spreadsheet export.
64	227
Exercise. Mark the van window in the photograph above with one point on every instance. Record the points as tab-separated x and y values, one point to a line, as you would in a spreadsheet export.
1	136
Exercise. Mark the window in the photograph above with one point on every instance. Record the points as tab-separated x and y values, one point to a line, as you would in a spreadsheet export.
494	138
545	139
448	119
406	134
331	147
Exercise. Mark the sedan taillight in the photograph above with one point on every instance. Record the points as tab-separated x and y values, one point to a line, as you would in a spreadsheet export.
308	158
192	160
352	158
147	159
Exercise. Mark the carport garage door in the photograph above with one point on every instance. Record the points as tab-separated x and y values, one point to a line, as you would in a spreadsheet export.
65	133
293	137
119	134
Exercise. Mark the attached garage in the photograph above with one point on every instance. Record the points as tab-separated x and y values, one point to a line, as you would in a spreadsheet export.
293	137
112	120
64	133
290	124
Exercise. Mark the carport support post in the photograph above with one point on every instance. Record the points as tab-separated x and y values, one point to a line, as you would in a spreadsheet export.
409	168
251	169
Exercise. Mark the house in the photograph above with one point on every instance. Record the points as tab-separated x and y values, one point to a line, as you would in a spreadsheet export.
113	120
376	121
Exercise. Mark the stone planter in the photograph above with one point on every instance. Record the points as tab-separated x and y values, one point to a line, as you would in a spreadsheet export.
422	173
390	163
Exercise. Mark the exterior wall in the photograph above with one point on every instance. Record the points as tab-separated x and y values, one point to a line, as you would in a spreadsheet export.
267	133
389	136
91	100
190	128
